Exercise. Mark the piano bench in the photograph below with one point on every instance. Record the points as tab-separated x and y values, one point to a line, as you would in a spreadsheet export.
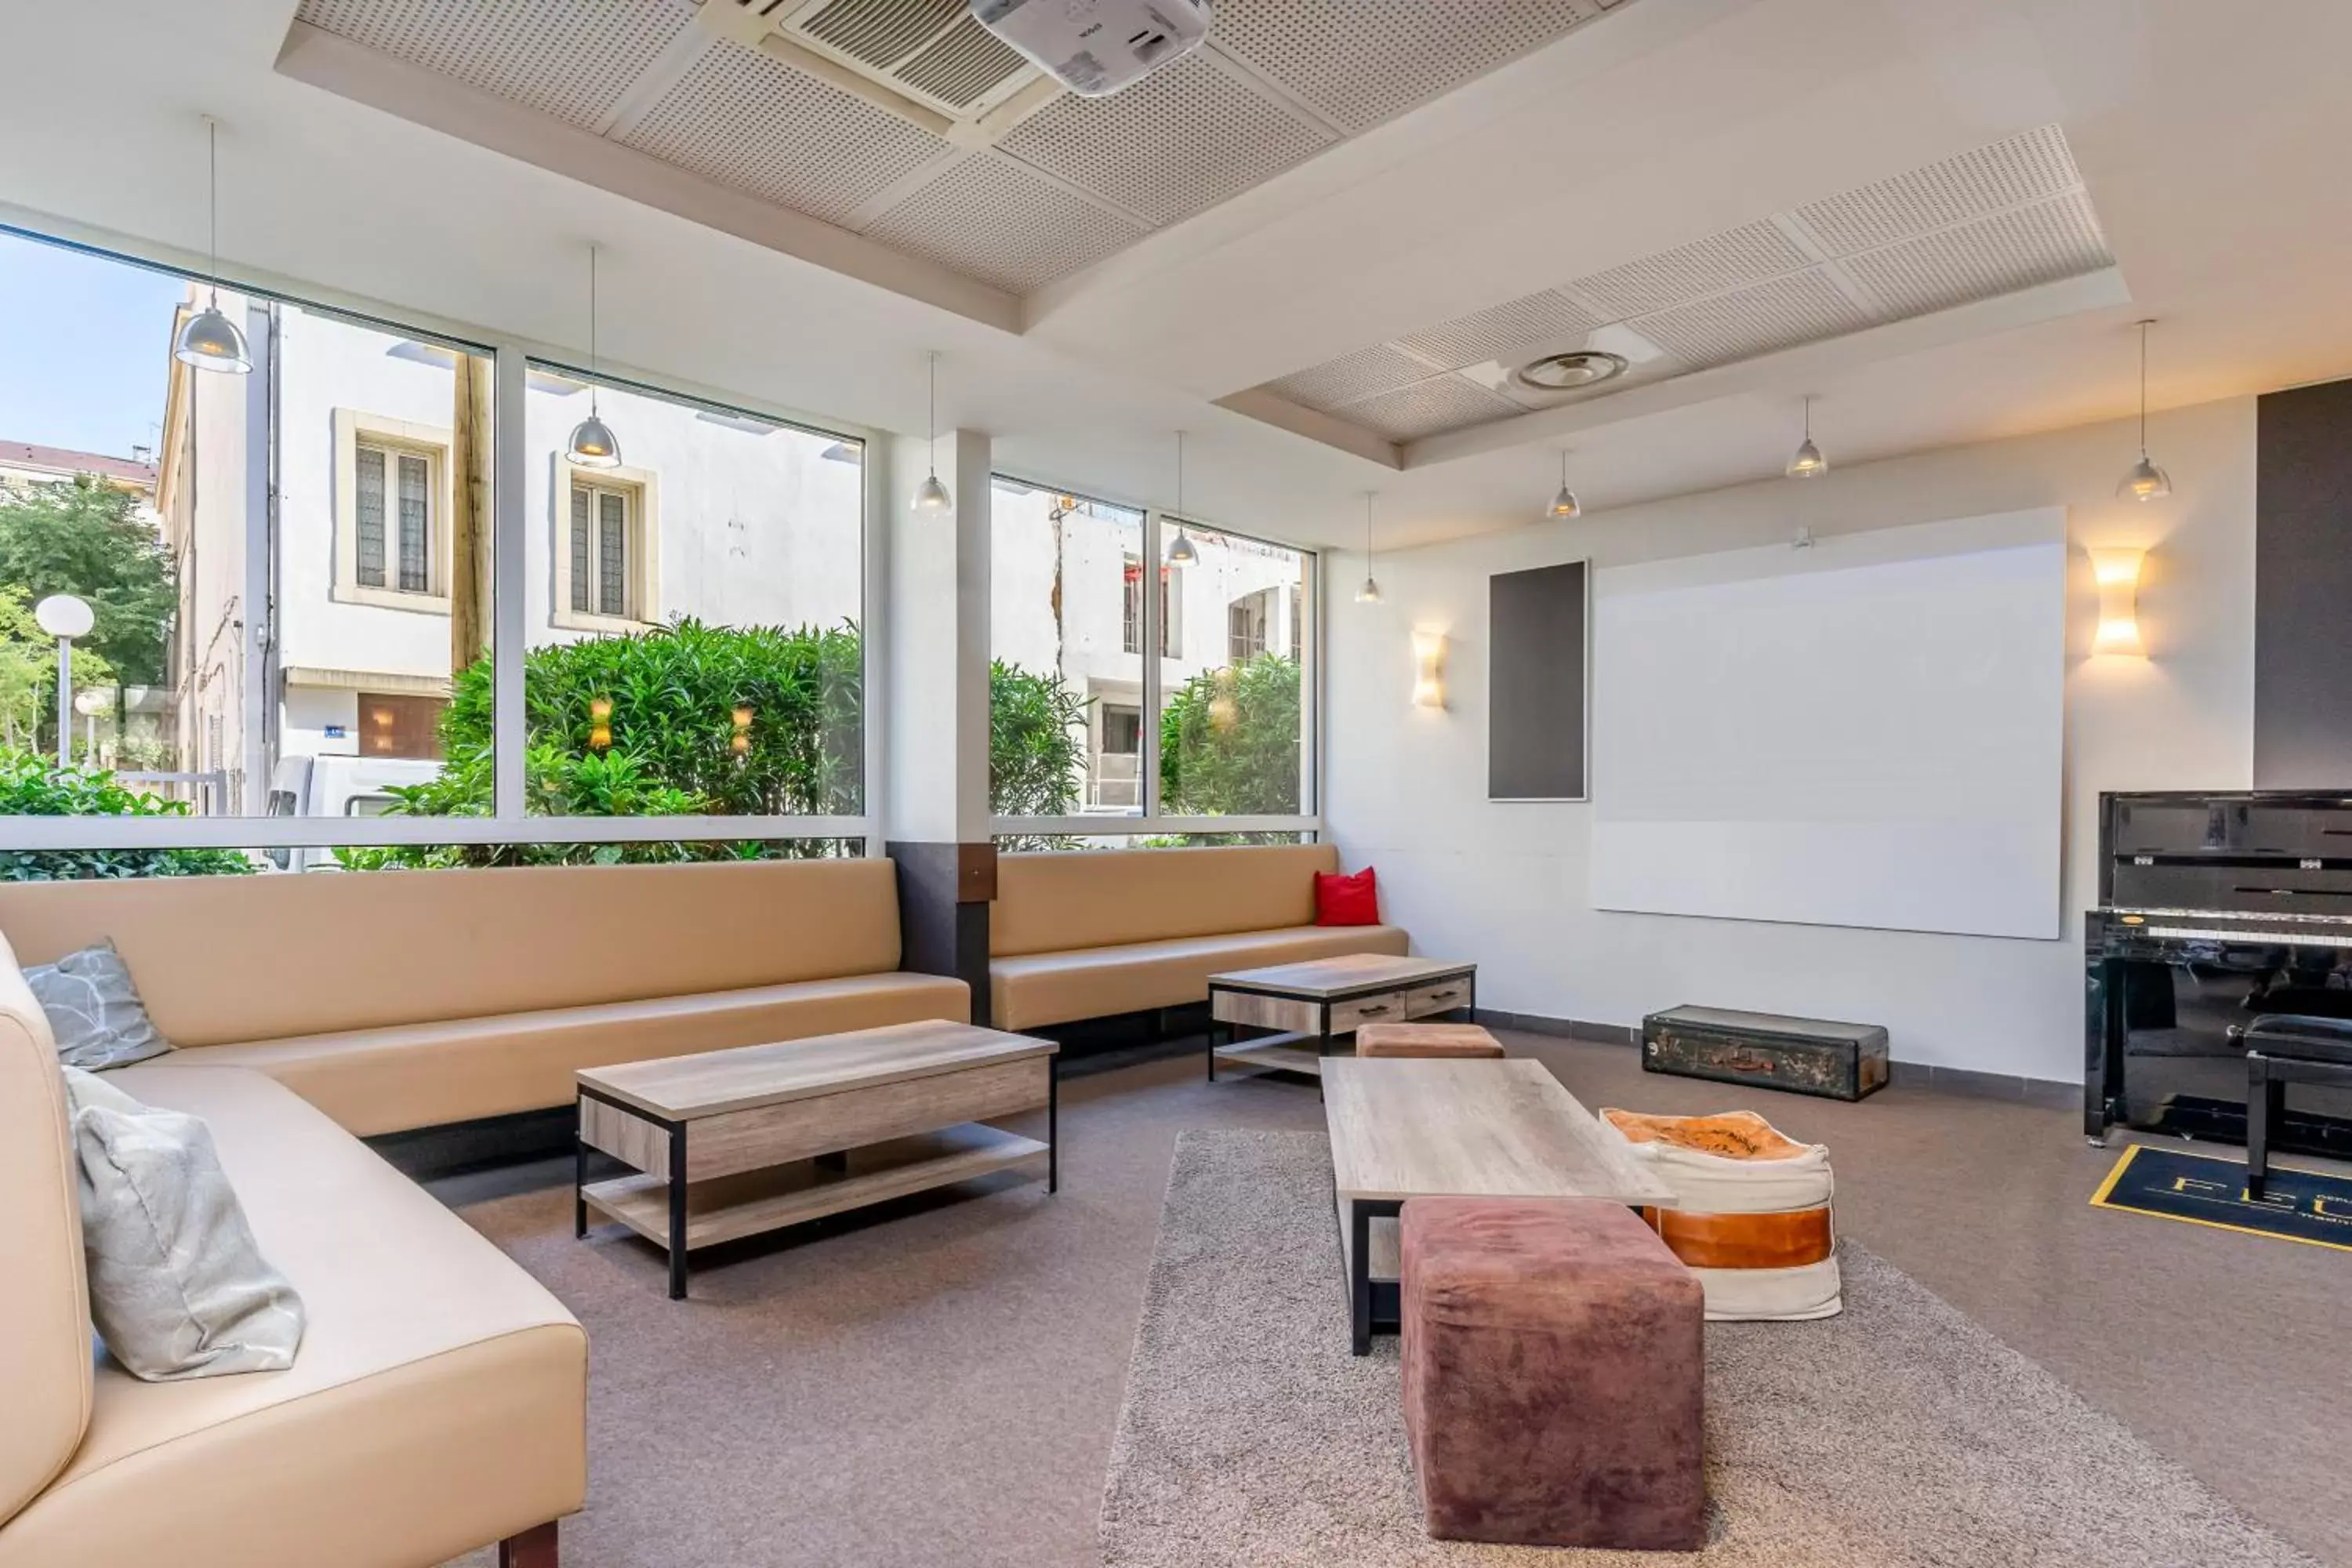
2284	1049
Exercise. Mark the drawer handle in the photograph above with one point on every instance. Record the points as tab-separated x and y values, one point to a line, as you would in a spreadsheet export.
1373	1012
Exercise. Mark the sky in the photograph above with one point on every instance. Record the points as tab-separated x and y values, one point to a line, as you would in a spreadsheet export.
84	347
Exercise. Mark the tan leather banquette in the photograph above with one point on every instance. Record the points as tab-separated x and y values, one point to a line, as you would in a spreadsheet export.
438	1401
1087	935
399	999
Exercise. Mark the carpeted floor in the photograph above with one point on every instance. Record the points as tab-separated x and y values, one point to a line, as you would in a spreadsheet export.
938	1381
1898	1434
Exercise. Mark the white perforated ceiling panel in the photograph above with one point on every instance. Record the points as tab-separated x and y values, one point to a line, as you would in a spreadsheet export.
1429	407
1351	377
558	57
1184	138
1500	330
990	219
2009	215
1744	255
1992	256
1360	62
747	120
2005	173
1798	309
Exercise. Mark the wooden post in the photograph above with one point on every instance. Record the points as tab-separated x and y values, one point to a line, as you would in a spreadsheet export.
470	525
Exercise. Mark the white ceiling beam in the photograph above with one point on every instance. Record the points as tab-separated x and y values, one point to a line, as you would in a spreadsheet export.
1285	414
442	103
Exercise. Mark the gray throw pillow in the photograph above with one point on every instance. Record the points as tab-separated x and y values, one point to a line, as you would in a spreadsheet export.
94	1010
177	1287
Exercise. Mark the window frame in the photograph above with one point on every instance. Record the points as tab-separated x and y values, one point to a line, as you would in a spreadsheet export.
355	428
1159	525
256	303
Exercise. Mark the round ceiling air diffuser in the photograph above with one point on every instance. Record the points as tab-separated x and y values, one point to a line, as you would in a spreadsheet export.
1570	371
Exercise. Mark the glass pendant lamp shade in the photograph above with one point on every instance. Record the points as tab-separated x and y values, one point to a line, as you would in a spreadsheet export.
1808	462
594	444
1564	507
1370	593
2144	480
932	496
210	340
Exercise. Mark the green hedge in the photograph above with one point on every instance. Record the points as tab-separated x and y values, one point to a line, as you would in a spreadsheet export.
32	786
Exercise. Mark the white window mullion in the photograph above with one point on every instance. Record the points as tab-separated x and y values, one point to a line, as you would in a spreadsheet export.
509	529
1149	590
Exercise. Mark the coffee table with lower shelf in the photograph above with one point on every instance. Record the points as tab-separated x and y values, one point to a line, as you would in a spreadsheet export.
1310	1003
1402	1129
736	1142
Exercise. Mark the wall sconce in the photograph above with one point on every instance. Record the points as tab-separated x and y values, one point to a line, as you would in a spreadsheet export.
1429	669
2117	574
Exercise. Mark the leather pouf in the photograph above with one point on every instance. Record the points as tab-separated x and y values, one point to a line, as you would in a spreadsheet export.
1755	1223
1555	1362
1455	1041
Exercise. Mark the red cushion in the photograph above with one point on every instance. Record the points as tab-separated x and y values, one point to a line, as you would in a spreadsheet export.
1346	900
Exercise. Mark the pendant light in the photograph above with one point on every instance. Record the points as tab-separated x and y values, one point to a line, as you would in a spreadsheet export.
2144	480
931	495
210	340
1181	552
1563	507
1370	593
592	442
1808	463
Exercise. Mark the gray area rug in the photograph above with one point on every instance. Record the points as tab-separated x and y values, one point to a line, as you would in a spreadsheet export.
1899	1435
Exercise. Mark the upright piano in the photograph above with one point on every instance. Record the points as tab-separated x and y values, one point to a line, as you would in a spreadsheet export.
2214	909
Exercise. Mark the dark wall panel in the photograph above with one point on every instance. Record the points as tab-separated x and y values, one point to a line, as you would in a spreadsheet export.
1536	628
2303	588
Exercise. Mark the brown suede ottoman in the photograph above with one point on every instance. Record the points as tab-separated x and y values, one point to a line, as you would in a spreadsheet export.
1554	1364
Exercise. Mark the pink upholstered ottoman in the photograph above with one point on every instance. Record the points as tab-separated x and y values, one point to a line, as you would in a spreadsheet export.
1554	1362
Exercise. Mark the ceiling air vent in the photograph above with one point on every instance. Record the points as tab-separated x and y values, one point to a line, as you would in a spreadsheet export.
965	67
881	33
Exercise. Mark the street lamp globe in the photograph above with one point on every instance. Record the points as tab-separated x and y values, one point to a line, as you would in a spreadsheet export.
65	615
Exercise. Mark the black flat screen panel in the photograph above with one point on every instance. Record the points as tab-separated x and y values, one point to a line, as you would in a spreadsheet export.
2303	588
1536	682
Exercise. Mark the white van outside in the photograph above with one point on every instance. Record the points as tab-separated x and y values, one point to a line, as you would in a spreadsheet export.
336	786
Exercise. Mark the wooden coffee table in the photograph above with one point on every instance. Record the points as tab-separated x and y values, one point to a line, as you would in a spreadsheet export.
1311	1003
1405	1129
732	1143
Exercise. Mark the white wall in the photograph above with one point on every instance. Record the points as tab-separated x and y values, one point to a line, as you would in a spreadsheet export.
1507	884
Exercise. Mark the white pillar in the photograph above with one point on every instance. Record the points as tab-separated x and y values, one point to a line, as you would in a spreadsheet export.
936	672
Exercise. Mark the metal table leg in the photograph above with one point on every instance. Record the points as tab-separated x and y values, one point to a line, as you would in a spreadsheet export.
677	1212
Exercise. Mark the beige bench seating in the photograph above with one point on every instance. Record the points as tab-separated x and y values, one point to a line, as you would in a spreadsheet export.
402	999
438	1401
1076	936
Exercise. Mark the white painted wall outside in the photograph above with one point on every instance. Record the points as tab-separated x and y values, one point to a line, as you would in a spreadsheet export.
1506	884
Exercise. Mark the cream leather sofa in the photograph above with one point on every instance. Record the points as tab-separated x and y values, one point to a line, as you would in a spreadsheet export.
1074	935
400	999
438	1401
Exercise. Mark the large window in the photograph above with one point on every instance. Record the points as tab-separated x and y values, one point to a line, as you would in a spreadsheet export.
694	639
296	578
1096	746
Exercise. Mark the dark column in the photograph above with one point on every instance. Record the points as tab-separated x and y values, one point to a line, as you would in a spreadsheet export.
944	891
2303	588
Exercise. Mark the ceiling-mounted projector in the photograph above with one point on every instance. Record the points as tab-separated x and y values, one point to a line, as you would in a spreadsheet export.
1095	47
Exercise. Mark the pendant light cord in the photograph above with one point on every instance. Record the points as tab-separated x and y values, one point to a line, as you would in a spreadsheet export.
931	413
2143	392
592	330
1179	481
1368	533
212	208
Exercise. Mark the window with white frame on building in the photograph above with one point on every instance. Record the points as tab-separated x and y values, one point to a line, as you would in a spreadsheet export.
601	547
1249	621
1172	623
393	518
